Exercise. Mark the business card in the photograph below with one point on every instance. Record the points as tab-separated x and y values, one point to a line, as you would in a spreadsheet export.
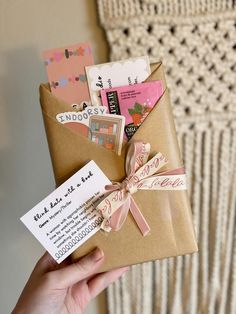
114	74
67	217
66	72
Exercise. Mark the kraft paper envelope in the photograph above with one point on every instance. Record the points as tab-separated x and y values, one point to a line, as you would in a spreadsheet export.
168	213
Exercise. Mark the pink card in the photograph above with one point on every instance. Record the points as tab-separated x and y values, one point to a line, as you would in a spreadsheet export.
134	102
66	72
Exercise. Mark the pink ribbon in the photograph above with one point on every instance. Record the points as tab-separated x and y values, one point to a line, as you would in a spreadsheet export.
141	175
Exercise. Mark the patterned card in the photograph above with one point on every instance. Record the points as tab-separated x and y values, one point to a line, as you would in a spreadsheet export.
114	74
66	72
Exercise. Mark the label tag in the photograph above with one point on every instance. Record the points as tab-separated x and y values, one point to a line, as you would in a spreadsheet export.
67	217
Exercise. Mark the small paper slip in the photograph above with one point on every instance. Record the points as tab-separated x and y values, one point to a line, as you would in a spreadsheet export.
114	74
67	217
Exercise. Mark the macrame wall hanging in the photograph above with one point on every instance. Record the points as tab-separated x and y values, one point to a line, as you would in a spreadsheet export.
196	40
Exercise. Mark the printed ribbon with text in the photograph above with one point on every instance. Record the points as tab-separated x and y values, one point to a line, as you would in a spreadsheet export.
141	175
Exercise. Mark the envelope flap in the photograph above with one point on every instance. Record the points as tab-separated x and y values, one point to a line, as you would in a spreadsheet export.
157	128
50	103
157	73
71	151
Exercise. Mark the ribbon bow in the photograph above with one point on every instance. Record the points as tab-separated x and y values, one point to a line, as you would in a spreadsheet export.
141	175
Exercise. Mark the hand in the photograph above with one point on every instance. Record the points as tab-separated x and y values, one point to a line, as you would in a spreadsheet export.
65	288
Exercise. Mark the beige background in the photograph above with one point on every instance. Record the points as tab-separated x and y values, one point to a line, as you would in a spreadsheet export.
26	28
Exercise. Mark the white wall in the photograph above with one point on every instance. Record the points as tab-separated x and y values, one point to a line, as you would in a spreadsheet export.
27	27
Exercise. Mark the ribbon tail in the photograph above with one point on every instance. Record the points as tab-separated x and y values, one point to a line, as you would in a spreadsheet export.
176	171
105	225
116	221
139	218
118	218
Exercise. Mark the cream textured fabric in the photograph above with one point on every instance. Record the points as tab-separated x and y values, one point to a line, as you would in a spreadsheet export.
197	42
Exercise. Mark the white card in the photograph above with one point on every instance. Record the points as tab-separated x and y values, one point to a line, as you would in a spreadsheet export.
67	217
114	74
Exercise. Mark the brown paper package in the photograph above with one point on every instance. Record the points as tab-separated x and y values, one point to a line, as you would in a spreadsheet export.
168	213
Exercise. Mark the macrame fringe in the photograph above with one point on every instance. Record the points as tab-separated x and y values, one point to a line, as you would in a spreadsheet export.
203	282
196	42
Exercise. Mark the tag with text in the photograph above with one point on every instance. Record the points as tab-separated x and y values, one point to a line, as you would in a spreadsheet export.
67	217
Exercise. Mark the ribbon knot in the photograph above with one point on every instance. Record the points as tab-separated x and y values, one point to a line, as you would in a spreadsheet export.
141	175
128	186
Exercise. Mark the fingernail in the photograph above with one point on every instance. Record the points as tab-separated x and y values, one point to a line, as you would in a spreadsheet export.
97	255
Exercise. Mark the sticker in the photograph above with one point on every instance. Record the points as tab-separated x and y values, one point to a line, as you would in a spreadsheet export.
93	122
107	130
80	116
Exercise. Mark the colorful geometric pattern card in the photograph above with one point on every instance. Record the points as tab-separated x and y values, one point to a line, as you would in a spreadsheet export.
66	72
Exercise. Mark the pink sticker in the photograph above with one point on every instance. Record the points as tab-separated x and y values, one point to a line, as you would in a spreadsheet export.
134	102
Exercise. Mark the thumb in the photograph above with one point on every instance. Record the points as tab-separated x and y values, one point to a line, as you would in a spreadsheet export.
85	267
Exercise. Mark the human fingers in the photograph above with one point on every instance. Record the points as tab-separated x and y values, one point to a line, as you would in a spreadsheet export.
101	281
45	264
85	267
